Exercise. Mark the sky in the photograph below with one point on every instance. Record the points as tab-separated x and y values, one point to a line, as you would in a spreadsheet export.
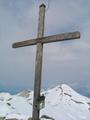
66	62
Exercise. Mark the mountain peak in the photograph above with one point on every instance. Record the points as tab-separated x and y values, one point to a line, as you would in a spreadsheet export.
61	102
65	86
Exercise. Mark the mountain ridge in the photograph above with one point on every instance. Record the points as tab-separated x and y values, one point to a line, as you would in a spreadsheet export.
61	102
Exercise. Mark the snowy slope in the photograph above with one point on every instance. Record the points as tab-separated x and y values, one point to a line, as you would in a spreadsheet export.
61	103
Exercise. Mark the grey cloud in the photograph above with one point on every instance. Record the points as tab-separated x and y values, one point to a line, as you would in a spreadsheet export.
64	62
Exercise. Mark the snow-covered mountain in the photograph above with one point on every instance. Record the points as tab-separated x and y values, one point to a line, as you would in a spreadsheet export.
61	103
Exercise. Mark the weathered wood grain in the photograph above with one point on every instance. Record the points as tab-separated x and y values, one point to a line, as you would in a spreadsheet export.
48	39
38	64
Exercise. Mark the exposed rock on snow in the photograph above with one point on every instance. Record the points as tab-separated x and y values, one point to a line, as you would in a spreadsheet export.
25	93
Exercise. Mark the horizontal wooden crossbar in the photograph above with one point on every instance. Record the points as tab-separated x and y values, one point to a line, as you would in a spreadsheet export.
48	39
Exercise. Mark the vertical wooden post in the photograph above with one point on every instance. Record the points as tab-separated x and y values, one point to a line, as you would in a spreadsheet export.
38	64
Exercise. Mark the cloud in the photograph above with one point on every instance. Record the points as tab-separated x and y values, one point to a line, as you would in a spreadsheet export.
66	15
64	62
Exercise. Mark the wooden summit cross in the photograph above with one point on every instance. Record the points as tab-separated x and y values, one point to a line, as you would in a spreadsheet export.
39	41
